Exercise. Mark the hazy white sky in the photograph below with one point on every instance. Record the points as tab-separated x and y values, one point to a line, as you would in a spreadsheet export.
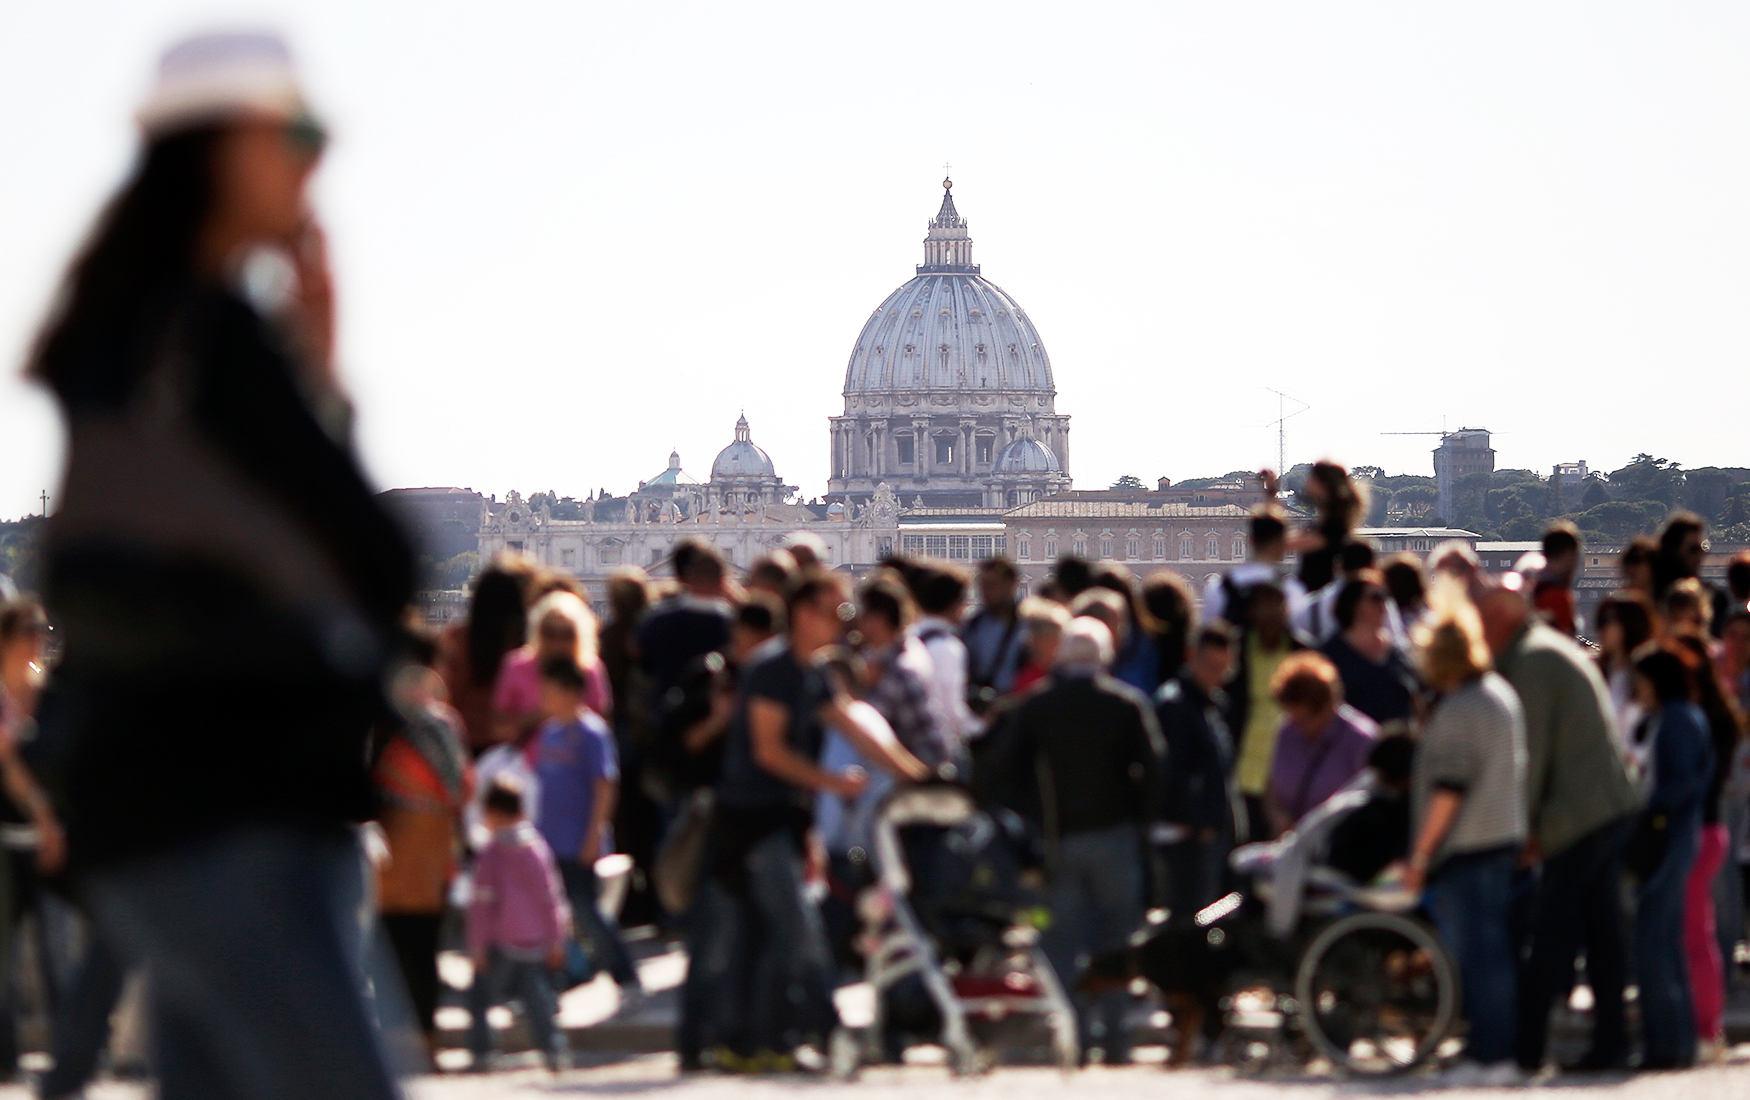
569	236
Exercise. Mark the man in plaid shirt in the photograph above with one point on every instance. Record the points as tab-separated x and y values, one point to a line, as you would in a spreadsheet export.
900	666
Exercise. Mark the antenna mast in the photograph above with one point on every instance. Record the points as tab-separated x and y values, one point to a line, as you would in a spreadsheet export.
1281	422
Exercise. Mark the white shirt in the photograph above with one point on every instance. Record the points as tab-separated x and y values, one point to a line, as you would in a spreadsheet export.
507	762
948	680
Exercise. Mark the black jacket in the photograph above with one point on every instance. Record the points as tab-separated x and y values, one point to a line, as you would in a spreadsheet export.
1078	753
1201	752
228	588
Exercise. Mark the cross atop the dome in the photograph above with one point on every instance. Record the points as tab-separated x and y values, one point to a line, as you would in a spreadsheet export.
947	177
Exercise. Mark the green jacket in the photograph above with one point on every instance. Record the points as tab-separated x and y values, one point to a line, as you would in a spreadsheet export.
1575	781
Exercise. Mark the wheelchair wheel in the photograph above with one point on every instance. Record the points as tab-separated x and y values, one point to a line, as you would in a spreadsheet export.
1377	992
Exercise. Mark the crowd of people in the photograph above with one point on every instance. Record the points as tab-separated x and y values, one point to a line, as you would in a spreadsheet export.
241	764
1525	780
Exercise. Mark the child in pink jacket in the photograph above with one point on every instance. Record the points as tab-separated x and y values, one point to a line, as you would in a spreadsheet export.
518	925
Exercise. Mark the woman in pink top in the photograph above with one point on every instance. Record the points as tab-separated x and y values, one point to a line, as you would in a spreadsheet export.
560	624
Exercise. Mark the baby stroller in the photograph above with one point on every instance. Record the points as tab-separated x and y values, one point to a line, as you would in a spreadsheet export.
1305	962
949	953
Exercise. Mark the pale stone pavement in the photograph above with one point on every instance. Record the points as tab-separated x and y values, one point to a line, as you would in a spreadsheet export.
654	1076
622	1055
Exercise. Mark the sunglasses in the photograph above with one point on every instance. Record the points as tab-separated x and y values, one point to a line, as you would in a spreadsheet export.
306	135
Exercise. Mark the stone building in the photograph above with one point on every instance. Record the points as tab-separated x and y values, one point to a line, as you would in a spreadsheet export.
444	521
948	393
1143	530
1459	455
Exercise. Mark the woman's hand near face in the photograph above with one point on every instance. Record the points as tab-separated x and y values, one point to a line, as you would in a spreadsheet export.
313	309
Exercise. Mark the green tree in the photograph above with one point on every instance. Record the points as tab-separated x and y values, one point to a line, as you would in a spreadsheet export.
459	570
1469	502
1617	520
1649	478
1595	493
21	552
1502	505
1553	499
1128	482
1523	529
1738	508
1295	479
1710	490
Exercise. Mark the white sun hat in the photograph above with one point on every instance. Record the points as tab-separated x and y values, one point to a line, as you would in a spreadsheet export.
211	77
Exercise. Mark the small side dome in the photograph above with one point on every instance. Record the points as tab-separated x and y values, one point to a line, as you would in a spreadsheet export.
1027	456
742	458
835	509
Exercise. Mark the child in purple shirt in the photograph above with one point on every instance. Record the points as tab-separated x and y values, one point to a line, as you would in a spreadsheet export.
518	921
574	761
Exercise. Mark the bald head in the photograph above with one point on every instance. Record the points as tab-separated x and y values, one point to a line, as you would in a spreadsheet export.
1504	613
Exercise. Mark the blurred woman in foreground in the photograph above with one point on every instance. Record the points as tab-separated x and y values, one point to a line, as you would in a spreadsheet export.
229	589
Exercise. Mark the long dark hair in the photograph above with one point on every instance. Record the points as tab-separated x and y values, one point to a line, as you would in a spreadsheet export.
1172	612
121	289
1345	502
1633	611
1668	564
497	619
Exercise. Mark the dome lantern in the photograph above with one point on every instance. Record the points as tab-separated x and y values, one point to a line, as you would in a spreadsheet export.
947	245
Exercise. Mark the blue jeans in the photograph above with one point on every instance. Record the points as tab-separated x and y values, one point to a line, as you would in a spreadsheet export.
81	1030
715	986
1469	895
790	996
607	947
253	944
1579	904
1095	897
1667	1015
526	980
28	895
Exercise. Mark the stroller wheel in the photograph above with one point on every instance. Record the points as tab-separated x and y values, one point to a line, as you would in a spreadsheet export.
1377	992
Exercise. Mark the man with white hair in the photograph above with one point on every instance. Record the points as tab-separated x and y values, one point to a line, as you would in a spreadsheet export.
1081	757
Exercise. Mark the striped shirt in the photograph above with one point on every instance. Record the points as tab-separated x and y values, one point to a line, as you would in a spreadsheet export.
1474	744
